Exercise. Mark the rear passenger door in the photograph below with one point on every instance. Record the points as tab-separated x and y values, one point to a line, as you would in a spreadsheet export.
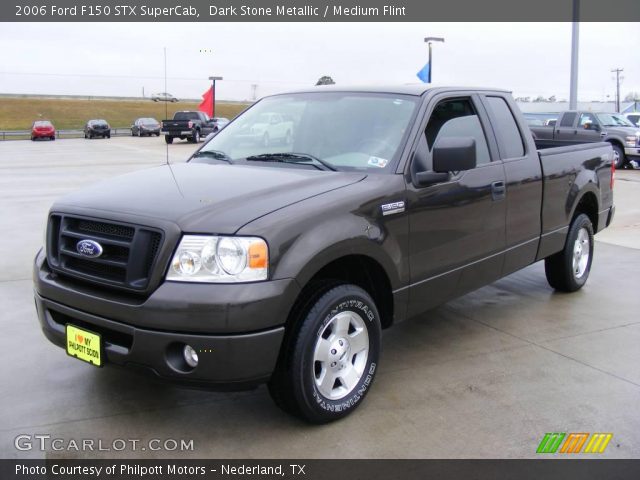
566	130
523	182
457	227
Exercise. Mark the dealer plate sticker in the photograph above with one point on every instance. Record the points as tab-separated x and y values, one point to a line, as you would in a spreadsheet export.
84	345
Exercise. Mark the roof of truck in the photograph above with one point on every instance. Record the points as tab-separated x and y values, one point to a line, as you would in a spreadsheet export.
406	89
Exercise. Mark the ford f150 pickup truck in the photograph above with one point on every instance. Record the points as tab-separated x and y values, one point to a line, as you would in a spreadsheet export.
190	125
575	127
282	263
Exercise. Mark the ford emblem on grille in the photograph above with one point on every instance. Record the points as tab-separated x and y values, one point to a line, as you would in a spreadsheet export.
89	248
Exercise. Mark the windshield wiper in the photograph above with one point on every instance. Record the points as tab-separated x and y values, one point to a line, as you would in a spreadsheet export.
217	154
290	157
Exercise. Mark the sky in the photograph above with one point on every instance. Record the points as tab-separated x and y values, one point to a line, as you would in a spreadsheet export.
529	59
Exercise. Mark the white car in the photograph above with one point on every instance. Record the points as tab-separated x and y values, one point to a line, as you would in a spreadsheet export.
163	97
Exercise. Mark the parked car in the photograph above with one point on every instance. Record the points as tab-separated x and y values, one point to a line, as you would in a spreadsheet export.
633	117
145	126
220	122
575	127
190	125
43	129
97	128
268	128
163	97
283	263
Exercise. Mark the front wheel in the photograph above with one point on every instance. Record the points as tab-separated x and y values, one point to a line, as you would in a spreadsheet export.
329	362
618	156
568	270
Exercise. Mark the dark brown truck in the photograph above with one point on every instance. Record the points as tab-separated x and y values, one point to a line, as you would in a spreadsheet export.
282	263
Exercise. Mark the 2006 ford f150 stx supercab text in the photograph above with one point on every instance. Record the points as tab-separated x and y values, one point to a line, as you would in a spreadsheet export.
282	263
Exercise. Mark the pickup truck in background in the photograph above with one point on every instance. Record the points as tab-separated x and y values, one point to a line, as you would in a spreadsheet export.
282	263
575	127
188	125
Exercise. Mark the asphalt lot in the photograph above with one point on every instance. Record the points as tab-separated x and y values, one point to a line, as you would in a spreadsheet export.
484	376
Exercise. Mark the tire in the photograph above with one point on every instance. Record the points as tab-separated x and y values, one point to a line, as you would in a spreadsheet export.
568	270
320	376
158	134
52	138
33	139
168	139
619	158
196	136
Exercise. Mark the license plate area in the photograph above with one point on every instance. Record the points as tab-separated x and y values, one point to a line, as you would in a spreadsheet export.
83	345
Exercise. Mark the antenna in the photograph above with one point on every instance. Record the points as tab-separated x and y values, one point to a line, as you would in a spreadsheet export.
166	114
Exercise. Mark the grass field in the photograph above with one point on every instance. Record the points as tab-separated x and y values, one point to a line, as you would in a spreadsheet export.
19	113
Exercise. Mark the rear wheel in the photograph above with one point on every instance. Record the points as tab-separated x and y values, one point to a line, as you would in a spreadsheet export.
53	138
618	156
33	139
329	361
568	270
196	136
168	139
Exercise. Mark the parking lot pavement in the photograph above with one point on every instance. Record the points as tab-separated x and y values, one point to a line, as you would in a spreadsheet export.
486	375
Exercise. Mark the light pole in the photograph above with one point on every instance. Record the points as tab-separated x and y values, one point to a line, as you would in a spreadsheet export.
213	95
618	71
429	40
575	45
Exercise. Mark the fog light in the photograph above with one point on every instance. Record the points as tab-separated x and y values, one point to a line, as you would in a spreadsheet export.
190	356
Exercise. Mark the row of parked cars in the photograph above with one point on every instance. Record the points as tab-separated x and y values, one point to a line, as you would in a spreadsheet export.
195	124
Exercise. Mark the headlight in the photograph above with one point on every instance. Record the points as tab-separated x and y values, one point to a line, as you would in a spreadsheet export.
209	259
631	141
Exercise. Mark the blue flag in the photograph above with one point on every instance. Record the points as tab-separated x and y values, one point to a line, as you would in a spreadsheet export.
424	73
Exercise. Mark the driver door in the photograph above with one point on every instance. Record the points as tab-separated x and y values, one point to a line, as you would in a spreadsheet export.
458	226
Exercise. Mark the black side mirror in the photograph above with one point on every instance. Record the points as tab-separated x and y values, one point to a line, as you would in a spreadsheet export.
454	154
450	154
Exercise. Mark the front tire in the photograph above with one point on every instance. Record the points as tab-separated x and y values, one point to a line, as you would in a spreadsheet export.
618	156
568	270
329	362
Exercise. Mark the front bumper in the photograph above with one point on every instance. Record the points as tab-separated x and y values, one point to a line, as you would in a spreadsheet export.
237	336
632	151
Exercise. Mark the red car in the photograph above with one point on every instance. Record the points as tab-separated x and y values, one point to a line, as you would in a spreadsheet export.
43	129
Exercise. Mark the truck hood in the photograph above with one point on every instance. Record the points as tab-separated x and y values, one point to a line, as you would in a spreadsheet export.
202	198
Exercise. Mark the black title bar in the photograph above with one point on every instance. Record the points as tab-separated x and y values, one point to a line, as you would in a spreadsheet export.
317	10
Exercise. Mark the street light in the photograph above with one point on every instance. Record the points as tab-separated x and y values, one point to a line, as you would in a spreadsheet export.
429	40
213	95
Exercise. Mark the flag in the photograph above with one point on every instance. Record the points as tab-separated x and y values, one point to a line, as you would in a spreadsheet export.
207	102
424	73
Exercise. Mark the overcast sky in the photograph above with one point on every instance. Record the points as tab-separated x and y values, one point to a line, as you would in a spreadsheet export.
120	59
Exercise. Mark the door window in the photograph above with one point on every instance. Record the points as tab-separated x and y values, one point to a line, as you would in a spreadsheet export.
586	118
457	118
511	144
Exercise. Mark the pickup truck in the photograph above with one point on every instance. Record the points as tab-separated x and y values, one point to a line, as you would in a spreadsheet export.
281	264
188	125
575	127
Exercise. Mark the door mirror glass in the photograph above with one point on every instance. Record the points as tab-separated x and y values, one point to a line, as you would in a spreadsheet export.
454	154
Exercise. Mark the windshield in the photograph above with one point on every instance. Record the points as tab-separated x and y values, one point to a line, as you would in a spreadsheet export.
341	131
613	120
186	116
149	121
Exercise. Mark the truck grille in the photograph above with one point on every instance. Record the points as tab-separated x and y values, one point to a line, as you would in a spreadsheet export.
128	253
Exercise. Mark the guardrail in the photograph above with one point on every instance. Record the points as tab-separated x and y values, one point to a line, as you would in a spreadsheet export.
26	134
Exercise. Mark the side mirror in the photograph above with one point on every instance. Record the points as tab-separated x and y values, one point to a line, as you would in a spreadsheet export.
454	154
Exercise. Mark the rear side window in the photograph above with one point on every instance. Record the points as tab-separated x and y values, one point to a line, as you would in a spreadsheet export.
568	119
506	129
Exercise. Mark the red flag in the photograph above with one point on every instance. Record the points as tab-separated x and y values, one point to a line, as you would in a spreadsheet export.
207	102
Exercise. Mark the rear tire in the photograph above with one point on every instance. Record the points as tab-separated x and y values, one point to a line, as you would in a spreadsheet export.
568	270
329	361
168	139
619	159
52	138
33	139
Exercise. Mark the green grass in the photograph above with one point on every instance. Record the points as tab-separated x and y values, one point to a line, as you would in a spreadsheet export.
19	113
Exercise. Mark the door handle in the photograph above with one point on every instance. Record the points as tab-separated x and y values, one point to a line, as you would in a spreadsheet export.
498	190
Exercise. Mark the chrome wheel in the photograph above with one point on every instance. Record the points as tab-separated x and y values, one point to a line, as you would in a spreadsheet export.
340	355
581	253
